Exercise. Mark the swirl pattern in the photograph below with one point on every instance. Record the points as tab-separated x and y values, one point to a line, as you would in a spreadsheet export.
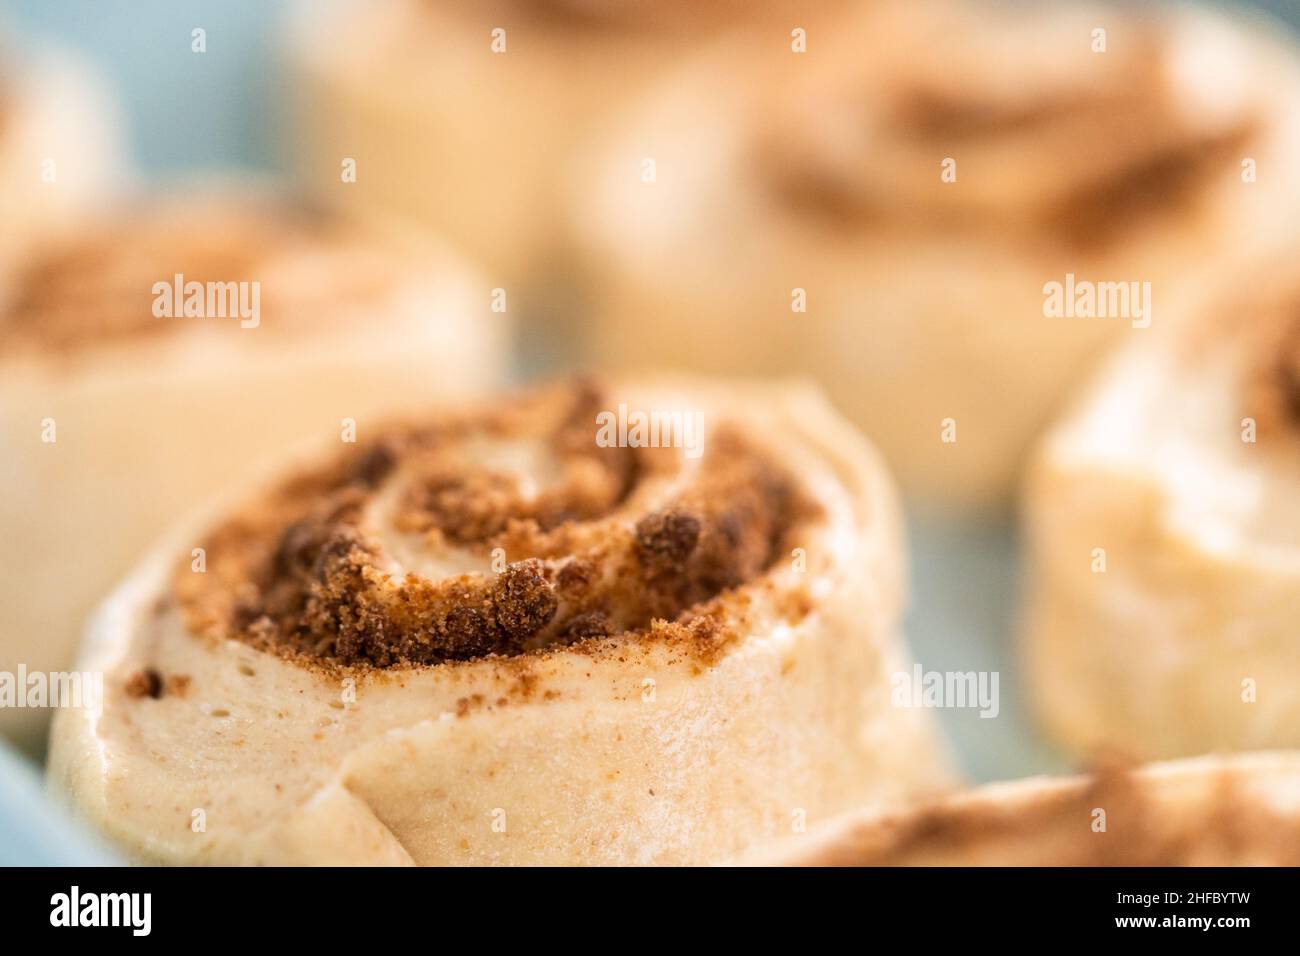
386	557
1050	123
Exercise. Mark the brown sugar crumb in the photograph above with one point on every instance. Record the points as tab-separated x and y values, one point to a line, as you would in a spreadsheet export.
523	600
574	576
306	571
145	683
585	626
667	538
469	633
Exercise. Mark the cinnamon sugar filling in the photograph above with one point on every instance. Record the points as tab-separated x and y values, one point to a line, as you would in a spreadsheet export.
434	543
1112	151
98	287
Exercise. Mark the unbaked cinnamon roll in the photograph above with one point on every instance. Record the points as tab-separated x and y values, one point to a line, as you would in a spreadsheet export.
1241	810
59	146
890	209
1163	516
629	623
467	114
152	358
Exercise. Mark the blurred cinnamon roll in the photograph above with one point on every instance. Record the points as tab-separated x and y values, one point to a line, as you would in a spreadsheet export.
528	633
1241	810
59	146
889	210
1164	538
149	359
467	114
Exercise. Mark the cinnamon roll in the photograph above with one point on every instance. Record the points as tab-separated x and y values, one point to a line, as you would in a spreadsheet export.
467	115
153	357
59	146
1164	538
1241	810
888	211
526	633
